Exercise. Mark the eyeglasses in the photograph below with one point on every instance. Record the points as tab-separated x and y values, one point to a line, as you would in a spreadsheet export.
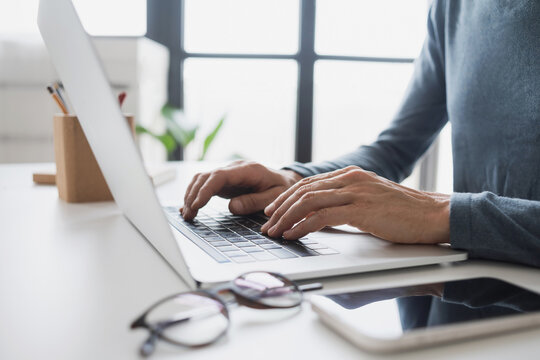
198	318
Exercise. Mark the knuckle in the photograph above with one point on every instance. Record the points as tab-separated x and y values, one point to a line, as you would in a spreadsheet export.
216	173
203	176
322	213
305	189
249	201
308	196
304	181
257	166
371	174
356	174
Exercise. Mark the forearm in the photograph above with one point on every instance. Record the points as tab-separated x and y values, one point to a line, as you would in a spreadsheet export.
494	227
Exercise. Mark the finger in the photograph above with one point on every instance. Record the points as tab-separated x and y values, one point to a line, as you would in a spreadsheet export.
324	217
294	197
307	204
189	211
190	186
270	209
194	180
215	181
213	184
250	203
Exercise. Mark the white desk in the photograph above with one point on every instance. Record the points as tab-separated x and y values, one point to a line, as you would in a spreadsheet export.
73	277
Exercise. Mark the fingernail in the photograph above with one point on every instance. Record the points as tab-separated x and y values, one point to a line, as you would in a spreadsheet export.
286	234
272	230
237	206
264	226
268	210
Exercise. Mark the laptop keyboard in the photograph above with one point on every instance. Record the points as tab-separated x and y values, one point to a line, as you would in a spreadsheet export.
227	237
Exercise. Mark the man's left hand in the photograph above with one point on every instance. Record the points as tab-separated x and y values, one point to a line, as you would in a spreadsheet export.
361	199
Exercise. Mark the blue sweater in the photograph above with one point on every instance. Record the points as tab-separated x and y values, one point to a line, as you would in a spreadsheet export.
479	69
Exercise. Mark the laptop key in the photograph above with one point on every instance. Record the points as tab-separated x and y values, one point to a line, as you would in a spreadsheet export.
263	256
227	235
252	249
270	246
236	239
327	251
204	233
262	241
243	244
220	243
235	253
213	238
254	236
282	253
298	249
243	259
226	248
307	241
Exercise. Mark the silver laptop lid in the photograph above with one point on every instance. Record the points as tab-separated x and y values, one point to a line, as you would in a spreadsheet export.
82	74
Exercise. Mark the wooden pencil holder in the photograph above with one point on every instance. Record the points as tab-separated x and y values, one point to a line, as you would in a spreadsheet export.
78	176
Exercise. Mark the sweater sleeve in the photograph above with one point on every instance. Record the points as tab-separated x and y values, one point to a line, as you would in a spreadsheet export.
417	123
495	227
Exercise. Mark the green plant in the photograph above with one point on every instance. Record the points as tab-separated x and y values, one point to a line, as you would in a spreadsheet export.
177	133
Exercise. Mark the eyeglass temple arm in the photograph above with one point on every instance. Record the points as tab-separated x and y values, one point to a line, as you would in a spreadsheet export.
310	287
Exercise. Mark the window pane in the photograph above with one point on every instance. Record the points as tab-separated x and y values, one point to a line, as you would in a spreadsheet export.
259	99
445	168
354	102
380	28
241	26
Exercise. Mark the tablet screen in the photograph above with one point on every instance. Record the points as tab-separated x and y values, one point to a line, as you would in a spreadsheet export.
389	313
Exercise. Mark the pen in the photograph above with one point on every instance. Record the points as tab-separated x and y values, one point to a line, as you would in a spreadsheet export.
57	99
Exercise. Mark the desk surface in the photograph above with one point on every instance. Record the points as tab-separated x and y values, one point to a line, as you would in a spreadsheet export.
73	276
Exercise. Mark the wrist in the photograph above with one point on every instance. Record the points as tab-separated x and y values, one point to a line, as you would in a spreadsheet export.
291	177
441	218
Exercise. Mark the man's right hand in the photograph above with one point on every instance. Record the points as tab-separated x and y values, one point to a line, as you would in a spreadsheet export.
249	185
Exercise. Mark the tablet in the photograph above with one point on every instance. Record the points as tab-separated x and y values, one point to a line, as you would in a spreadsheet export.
409	317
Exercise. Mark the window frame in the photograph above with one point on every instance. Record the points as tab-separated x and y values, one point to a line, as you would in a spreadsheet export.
165	24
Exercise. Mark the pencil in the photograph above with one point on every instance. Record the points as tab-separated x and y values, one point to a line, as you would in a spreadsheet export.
57	99
58	91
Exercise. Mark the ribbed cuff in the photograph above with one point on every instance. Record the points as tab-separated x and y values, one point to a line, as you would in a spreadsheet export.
461	221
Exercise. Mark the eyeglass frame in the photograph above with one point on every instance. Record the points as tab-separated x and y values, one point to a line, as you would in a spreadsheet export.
213	293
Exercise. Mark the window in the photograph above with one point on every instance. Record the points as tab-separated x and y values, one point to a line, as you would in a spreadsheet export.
289	74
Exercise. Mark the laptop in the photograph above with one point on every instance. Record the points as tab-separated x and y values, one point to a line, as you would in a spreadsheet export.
217	246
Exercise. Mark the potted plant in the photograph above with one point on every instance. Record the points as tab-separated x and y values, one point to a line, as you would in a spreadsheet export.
177	134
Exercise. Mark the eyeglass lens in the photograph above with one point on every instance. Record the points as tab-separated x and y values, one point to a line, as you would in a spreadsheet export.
268	289
189	319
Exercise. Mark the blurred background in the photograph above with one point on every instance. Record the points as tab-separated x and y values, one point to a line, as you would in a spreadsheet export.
294	79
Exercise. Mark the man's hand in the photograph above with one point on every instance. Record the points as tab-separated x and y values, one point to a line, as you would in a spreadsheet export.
361	199
249	185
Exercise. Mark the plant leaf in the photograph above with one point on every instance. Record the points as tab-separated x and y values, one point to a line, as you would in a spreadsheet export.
182	136
168	111
166	139
210	138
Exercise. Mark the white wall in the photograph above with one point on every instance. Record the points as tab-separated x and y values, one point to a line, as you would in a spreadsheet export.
133	64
